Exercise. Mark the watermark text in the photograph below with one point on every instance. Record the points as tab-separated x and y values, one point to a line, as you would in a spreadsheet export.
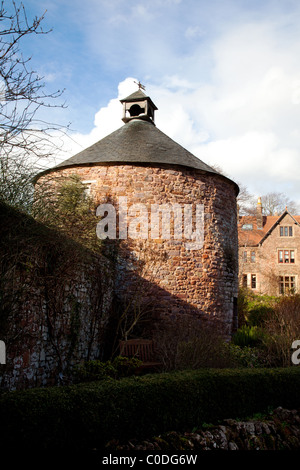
161	221
296	354
2	353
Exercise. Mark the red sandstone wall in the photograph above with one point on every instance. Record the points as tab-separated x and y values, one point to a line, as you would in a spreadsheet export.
203	282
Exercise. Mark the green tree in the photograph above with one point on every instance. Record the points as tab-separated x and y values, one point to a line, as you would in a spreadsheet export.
64	204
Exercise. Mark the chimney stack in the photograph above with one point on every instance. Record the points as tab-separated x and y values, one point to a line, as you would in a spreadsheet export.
259	216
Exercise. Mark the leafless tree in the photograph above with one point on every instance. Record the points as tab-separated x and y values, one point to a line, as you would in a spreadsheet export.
246	201
275	203
24	136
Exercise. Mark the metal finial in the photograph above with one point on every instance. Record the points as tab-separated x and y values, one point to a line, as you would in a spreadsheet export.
141	87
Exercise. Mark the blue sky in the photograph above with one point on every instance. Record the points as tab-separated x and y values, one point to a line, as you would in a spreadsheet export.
225	76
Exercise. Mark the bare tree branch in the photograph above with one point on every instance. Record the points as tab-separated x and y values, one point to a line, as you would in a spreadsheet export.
24	136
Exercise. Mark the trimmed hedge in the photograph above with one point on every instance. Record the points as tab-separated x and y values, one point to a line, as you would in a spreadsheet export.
86	416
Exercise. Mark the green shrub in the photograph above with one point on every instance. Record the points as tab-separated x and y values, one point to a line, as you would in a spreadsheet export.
120	366
271	324
93	370
126	366
253	309
87	416
246	356
248	336
244	297
259	315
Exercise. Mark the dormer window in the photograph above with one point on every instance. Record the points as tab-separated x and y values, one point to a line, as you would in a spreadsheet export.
247	227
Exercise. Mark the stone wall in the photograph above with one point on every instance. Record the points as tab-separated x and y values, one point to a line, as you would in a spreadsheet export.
177	280
277	431
55	303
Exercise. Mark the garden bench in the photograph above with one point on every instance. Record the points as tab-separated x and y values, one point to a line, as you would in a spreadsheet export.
141	349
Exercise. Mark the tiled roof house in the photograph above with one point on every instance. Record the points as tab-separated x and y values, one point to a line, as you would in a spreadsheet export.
269	252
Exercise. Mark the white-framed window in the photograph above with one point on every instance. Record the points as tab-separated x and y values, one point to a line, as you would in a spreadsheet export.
286	256
253	281
249	280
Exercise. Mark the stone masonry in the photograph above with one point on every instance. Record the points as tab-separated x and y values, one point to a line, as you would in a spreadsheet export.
280	430
55	303
202	282
145	167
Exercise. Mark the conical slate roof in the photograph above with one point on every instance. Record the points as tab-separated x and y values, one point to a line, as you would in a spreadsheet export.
138	141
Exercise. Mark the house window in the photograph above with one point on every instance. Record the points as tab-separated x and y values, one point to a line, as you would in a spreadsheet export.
252	256
286	256
247	227
286	231
287	284
253	281
245	255
244	281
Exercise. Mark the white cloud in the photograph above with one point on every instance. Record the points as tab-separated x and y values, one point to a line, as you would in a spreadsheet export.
242	113
249	112
107	120
236	134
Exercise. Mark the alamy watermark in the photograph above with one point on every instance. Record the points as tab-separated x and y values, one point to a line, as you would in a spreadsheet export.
162	221
2	353
296	354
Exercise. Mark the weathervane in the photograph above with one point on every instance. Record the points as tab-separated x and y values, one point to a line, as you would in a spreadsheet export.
141	87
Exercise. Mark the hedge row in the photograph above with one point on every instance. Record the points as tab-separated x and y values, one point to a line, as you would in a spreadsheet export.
86	416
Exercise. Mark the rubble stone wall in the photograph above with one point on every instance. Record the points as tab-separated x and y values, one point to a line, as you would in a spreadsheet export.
277	431
178	280
55	304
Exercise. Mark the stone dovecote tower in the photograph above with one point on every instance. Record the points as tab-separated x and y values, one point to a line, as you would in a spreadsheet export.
186	260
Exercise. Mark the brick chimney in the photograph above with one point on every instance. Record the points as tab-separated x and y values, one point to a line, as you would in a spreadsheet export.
259	216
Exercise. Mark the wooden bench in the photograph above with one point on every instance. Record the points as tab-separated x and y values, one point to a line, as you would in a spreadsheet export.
141	349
